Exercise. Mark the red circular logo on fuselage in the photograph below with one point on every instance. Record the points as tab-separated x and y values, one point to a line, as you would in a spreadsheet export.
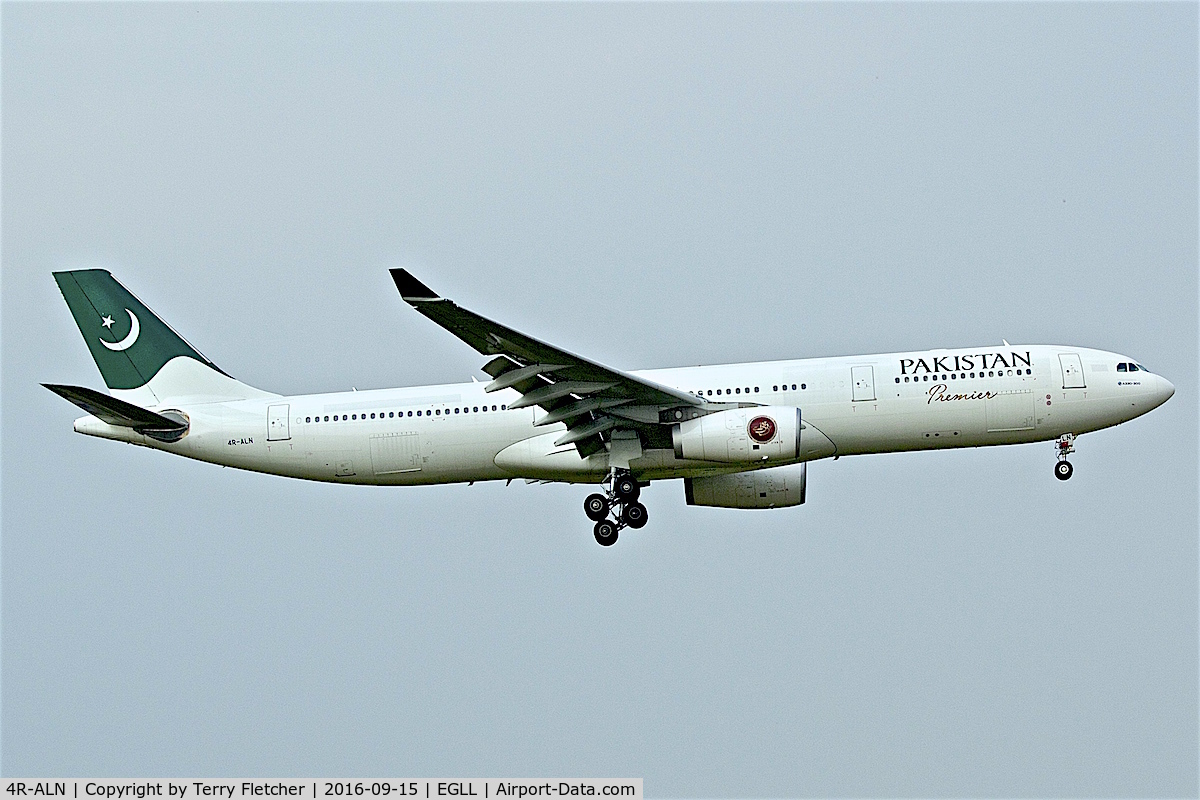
761	429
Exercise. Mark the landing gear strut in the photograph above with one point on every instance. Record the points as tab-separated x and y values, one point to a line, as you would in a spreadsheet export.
1066	445
622	496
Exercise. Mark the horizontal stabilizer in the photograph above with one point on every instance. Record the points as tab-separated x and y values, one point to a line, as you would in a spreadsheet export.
118	412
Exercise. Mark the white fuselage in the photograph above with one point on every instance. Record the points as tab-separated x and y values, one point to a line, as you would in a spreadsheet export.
849	405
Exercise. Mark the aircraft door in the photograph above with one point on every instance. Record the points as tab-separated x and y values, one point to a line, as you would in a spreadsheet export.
277	423
864	382
395	452
1072	371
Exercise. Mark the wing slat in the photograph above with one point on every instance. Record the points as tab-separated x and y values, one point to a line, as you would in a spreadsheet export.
490	338
569	387
547	394
511	378
584	431
578	409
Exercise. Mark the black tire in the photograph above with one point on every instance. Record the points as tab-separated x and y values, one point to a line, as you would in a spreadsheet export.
596	507
634	515
626	488
606	533
1063	470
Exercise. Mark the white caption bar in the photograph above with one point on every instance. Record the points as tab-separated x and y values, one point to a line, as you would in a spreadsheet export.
320	789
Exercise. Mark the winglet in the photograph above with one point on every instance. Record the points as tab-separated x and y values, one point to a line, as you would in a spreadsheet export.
411	288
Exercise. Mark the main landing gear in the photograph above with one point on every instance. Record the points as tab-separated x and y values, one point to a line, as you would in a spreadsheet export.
1066	445
622	496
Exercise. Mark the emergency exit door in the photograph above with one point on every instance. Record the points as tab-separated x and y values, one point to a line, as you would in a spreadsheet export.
277	423
864	382
1072	371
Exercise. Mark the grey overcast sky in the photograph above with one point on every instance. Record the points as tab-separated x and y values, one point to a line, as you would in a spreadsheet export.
649	185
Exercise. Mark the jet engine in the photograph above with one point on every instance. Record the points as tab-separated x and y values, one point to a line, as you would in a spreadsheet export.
775	487
740	435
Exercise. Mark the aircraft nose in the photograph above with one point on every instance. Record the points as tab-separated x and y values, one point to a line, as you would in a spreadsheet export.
1165	390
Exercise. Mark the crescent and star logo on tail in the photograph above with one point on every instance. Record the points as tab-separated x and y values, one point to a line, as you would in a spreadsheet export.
134	329
761	429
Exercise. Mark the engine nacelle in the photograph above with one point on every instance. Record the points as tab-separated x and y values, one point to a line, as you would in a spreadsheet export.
775	487
740	435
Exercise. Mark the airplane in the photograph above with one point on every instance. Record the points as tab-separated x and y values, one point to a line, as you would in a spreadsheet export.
738	435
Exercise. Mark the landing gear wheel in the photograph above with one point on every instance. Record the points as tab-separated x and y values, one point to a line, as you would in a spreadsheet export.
606	533
626	488
1063	470
634	515
596	507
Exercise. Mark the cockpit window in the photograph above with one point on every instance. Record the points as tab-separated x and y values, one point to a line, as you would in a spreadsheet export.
1139	366
1122	367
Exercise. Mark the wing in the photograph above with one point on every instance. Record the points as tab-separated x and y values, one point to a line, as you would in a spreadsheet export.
589	398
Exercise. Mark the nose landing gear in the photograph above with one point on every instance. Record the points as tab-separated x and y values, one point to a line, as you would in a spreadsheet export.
1066	445
623	495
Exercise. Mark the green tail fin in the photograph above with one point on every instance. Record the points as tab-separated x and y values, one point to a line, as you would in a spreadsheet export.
129	343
